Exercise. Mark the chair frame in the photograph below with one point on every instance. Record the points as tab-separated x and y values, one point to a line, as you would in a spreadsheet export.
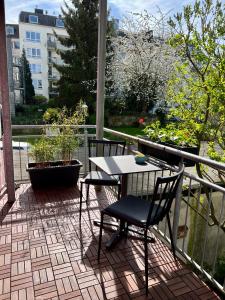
99	152
173	182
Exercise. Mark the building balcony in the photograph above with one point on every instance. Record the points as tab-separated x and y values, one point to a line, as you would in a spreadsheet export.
51	44
17	85
52	60
53	77
54	257
67	250
53	92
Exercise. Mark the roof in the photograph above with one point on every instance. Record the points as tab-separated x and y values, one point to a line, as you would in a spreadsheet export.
16	31
43	19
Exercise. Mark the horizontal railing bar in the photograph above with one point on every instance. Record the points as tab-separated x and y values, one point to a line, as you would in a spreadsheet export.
39	135
49	125
208	183
196	158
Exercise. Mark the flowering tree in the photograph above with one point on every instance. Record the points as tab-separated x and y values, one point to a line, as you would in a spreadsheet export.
142	61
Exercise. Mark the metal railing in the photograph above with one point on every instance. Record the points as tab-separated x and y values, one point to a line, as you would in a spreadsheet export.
198	213
28	134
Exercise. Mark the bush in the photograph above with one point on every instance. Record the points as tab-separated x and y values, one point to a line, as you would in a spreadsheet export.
51	115
29	114
171	133
54	103
19	108
40	99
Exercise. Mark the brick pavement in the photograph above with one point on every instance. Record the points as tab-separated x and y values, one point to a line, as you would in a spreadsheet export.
45	254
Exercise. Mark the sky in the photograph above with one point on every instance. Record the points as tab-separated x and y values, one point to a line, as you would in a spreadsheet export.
118	8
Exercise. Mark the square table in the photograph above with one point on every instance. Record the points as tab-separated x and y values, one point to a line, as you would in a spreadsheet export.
123	166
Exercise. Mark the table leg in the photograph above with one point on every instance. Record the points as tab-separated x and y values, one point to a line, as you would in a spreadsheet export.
120	233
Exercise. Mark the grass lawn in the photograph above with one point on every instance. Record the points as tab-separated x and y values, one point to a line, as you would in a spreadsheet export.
131	130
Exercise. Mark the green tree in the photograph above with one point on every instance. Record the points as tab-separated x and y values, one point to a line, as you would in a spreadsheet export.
198	86
26	80
79	72
197	90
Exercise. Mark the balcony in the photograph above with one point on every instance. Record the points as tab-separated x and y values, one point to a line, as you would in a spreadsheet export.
52	257
49	222
53	92
51	44
53	60
53	77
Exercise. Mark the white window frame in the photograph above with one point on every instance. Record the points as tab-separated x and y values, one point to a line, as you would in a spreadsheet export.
37	83
33	36
34	52
30	19
35	68
57	24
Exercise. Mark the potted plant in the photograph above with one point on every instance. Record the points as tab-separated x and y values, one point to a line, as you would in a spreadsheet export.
53	164
171	136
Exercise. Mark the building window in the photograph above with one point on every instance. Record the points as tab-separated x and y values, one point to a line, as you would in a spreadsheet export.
16	45
37	83
10	30
59	23
33	19
33	52
35	68
33	36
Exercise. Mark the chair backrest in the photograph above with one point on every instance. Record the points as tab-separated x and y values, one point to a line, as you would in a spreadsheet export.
164	193
105	148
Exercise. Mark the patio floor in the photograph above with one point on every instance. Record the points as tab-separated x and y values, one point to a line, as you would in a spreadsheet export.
41	255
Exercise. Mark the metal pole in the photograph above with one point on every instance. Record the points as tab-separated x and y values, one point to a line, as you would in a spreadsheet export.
4	92
102	22
176	215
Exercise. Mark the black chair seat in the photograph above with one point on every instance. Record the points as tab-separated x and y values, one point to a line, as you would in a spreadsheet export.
101	178
133	210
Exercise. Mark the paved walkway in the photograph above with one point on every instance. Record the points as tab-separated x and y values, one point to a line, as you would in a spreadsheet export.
41	255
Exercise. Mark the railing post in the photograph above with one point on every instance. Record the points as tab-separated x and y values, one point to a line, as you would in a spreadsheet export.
102	24
6	118
85	150
176	215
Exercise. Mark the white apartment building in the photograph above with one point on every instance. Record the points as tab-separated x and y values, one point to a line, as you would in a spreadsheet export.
36	36
13	50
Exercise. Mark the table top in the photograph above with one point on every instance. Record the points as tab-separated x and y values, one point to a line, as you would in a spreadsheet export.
121	165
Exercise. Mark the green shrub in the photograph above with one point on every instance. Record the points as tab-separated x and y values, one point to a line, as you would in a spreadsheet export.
40	99
51	115
43	150
171	133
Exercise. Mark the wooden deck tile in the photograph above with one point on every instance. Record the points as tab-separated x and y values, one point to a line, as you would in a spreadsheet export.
46	254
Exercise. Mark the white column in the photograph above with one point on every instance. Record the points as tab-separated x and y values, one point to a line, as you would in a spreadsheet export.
102	23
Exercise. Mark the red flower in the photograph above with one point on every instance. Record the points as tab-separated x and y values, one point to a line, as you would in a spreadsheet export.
141	120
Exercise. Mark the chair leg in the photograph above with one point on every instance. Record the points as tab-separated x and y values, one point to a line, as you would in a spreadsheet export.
171	236
100	236
81	197
146	261
87	193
